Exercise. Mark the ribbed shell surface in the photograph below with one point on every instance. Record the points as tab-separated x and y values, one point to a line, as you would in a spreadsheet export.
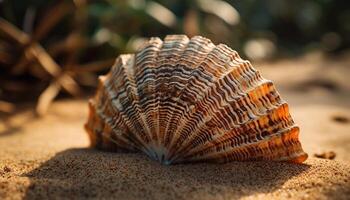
188	100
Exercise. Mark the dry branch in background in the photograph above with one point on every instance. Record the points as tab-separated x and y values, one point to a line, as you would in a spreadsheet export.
36	51
6	107
40	61
43	41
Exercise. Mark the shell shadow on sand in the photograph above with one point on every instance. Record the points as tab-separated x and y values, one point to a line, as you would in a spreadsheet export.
87	173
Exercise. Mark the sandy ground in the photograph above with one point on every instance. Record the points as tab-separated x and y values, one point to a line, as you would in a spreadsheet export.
49	158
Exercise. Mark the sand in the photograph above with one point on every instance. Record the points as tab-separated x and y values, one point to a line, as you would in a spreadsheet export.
48	157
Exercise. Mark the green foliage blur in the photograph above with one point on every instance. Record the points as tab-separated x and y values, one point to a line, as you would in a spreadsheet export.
273	27
50	48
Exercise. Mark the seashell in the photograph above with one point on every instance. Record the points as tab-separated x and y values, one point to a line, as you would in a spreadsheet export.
188	100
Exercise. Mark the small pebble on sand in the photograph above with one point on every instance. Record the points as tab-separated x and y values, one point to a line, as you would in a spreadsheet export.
326	155
7	169
341	119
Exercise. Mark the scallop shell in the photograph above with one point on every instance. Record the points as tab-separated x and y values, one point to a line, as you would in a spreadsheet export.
188	100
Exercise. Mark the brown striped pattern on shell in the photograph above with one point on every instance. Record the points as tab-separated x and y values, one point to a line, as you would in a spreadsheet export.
188	100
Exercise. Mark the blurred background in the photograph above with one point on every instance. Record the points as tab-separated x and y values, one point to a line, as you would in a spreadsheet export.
53	49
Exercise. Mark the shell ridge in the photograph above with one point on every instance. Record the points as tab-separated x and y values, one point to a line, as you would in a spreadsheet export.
206	119
240	136
134	94
238	90
142	68
106	107
197	70
193	78
110	86
228	105
232	144
130	95
95	128
151	108
186	54
209	88
157	100
262	148
174	83
168	56
138	117
221	106
145	77
120	141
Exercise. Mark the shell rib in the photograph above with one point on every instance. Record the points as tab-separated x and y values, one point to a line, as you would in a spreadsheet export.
188	100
